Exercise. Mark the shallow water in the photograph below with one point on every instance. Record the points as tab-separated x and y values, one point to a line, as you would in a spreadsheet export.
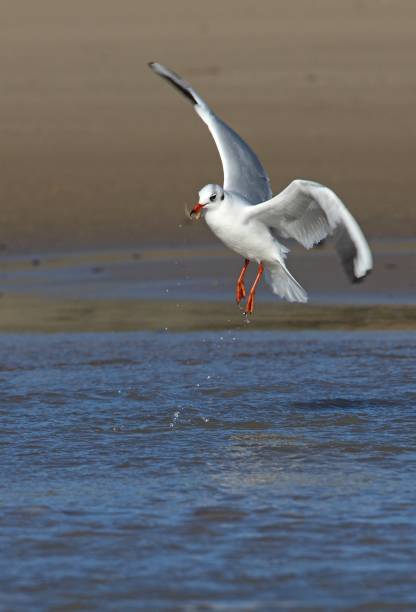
177	276
208	471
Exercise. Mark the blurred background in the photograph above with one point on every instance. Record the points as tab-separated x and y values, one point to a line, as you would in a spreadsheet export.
97	152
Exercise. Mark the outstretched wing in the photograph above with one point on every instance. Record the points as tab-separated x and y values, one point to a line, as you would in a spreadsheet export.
243	172
308	212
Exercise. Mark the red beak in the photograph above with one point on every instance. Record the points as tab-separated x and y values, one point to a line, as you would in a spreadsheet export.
197	210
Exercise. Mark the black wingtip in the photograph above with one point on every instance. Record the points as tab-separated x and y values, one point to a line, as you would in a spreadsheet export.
356	280
360	279
174	79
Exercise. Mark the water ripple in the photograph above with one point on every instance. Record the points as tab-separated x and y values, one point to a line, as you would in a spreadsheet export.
208	471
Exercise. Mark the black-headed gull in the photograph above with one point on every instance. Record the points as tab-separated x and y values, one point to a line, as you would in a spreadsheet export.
246	217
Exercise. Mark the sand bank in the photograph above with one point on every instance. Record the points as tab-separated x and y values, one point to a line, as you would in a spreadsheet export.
186	289
96	151
19	313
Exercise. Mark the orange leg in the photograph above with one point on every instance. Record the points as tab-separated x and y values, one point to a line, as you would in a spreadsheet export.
250	299
240	291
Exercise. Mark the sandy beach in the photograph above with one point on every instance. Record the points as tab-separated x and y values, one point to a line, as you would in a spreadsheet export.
22	314
99	157
97	152
193	289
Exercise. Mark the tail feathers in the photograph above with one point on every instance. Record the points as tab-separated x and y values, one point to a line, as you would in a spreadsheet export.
283	283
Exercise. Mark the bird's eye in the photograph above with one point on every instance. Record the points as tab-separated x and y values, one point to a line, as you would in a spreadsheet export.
213	197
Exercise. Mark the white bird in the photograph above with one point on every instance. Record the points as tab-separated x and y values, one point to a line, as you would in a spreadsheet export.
246	217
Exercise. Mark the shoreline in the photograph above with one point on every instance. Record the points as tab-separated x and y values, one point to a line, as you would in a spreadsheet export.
26	313
188	289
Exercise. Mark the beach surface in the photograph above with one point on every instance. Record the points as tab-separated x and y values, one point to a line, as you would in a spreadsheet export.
100	158
193	289
97	152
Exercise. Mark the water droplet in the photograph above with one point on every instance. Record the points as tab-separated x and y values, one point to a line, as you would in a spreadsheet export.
176	416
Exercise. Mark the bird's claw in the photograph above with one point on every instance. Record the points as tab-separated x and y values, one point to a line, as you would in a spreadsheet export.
240	292
250	305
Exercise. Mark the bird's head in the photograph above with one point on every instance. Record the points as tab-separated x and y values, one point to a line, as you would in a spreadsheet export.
210	197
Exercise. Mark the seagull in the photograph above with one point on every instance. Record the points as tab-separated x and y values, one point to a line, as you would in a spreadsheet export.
248	219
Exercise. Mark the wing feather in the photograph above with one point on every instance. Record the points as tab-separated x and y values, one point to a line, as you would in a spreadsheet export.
243	171
309	212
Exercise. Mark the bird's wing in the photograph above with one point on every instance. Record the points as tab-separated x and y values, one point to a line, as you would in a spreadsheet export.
308	212
243	172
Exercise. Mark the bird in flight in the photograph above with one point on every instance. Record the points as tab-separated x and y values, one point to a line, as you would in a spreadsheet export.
248	219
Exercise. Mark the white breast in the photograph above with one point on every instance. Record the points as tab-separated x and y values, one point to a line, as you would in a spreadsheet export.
251	240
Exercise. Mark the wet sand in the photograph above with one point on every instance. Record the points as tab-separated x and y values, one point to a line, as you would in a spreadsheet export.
24	314
193	289
99	157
